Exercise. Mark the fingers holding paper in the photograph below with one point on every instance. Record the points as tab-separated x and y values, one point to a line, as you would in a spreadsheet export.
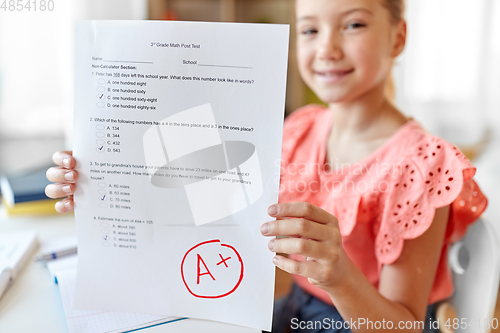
61	175
65	206
65	177
64	159
56	191
313	233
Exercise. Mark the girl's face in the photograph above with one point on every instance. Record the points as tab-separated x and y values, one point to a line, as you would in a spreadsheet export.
346	47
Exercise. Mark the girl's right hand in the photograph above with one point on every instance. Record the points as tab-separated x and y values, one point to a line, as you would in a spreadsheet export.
65	177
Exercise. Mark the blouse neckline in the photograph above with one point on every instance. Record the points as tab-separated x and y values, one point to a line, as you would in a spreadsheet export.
323	146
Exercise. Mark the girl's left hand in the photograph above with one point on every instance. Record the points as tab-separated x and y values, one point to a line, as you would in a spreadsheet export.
313	233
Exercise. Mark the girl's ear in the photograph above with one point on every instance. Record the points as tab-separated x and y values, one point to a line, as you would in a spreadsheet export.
400	38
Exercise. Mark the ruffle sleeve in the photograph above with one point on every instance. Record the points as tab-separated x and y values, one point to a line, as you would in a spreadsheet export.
295	127
435	174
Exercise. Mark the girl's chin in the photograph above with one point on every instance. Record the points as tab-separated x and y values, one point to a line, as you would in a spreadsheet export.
340	94
332	93
332	98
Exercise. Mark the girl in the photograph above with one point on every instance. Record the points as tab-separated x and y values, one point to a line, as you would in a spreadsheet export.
369	201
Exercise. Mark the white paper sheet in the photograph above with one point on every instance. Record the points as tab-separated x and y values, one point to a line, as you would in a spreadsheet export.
57	245
178	132
62	264
81	321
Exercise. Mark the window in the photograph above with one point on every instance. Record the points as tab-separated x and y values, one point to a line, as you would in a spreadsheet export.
36	63
449	75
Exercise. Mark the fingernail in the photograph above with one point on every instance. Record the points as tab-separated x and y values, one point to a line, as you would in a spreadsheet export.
276	261
271	244
264	229
69	176
66	189
273	210
67	204
65	162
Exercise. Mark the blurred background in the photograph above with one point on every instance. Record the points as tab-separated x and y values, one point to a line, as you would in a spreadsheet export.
448	77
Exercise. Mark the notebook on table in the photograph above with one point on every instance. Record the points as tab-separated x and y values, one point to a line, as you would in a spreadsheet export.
15	250
82	321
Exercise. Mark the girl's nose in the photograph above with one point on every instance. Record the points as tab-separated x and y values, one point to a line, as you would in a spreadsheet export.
329	48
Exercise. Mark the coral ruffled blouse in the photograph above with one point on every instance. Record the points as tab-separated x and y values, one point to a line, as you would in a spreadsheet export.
389	196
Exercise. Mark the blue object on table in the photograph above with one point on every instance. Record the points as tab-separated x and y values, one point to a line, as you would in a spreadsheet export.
24	187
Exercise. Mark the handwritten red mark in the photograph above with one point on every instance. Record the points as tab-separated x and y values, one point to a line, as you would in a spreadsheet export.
200	259
223	260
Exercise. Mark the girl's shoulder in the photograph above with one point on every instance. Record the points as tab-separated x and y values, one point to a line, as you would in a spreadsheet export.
305	116
302	126
428	173
427	151
430	154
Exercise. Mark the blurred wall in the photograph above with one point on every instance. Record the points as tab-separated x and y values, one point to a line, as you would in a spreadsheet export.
36	75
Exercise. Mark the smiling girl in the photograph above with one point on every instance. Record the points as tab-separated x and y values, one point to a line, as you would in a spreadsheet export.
368	199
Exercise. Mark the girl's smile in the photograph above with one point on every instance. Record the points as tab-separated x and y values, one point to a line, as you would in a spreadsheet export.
332	76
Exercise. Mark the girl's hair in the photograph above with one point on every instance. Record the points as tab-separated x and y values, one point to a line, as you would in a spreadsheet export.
396	10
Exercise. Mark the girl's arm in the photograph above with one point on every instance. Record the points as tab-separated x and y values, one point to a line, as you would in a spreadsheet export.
404	285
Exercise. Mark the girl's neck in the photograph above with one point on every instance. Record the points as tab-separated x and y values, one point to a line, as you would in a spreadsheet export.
356	116
360	127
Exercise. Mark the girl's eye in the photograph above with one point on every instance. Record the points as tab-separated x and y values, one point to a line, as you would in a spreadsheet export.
355	25
308	32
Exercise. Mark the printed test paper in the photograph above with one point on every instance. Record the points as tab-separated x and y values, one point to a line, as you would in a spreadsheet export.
178	129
